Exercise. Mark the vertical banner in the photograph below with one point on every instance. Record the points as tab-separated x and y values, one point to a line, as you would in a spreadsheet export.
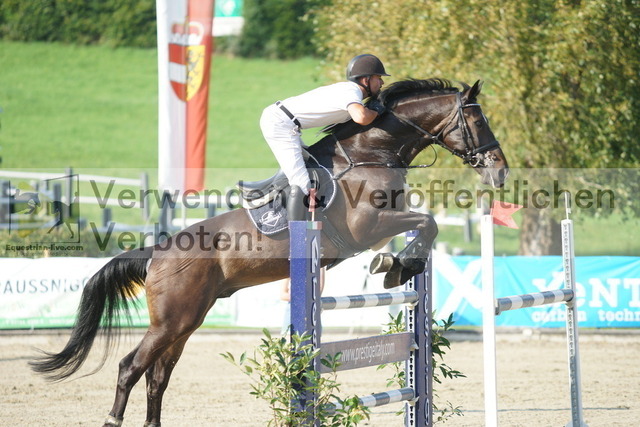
184	62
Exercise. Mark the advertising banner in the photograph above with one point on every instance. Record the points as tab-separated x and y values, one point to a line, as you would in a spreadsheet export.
45	293
608	290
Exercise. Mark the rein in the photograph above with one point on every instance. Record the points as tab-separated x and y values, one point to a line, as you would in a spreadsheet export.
471	152
470	155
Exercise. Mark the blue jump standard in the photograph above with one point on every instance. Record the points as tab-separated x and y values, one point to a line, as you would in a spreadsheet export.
413	346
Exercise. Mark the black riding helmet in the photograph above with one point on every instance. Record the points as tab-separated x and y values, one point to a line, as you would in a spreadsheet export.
364	66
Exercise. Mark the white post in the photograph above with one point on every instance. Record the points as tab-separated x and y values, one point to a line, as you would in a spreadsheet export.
568	261
489	323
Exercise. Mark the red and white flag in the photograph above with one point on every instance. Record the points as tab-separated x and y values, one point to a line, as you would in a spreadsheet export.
184	62
502	212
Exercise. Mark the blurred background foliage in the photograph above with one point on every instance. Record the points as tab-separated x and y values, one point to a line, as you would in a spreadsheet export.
562	77
277	29
111	22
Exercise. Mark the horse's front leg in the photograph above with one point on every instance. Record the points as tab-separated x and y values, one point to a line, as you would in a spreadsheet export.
413	258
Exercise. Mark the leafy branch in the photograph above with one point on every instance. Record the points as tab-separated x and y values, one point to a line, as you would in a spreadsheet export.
280	370
439	345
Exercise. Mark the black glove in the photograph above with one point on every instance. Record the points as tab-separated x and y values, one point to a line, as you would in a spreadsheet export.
377	106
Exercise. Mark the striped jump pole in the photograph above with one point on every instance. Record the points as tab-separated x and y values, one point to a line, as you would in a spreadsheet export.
493	307
412	346
384	398
370	300
533	300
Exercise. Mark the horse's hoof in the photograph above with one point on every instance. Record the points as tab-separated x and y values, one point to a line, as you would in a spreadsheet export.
150	424
112	421
397	276
382	263
392	278
413	265
406	275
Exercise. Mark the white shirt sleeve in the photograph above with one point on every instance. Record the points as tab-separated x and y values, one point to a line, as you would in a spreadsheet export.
325	105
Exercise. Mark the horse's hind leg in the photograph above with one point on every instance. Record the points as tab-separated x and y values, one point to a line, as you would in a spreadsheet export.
158	378
133	365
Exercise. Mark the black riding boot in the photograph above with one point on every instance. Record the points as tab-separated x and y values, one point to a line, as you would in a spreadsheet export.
295	205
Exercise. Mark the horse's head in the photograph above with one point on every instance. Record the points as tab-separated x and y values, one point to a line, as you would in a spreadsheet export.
26	202
473	139
453	120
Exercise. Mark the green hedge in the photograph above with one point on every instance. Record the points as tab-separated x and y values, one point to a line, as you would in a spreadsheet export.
277	29
112	22
273	28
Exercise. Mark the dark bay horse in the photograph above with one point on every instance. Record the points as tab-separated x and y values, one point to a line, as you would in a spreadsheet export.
185	275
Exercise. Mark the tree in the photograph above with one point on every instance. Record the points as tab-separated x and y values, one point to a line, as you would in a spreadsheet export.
561	82
276	28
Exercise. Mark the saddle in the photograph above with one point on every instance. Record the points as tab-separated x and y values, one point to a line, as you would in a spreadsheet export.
254	194
266	200
257	193
266	204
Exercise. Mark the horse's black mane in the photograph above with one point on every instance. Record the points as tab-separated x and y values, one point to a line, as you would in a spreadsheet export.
395	92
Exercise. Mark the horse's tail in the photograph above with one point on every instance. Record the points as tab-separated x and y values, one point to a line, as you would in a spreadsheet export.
104	299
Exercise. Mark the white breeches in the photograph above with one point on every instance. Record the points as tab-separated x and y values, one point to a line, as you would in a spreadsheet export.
283	137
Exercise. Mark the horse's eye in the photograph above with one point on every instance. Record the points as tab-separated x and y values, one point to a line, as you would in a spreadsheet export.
479	123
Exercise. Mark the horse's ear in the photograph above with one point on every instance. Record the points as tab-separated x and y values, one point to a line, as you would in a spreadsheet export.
472	92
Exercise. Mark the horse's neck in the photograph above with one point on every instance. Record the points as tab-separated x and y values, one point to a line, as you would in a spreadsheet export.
375	144
388	138
427	111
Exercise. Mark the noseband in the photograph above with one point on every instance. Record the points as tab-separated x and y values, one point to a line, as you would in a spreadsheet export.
472	151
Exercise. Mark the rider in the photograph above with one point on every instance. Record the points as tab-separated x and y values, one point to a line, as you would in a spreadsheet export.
327	105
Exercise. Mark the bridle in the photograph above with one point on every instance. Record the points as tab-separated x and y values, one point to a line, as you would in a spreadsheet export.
471	154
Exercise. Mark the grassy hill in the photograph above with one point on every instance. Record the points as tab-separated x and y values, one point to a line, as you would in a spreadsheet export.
96	107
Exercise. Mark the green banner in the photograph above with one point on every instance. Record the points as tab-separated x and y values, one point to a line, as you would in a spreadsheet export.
228	9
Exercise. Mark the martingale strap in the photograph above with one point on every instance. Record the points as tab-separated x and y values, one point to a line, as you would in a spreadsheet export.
353	164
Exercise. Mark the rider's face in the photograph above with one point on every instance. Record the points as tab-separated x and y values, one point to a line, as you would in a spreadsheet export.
375	84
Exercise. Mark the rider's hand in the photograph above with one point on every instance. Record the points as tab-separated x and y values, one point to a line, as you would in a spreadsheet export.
377	106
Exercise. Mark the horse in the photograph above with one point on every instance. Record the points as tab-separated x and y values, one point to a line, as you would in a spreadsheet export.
185	275
27	203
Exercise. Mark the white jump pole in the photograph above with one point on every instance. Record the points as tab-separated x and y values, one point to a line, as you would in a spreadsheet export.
489	323
568	265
